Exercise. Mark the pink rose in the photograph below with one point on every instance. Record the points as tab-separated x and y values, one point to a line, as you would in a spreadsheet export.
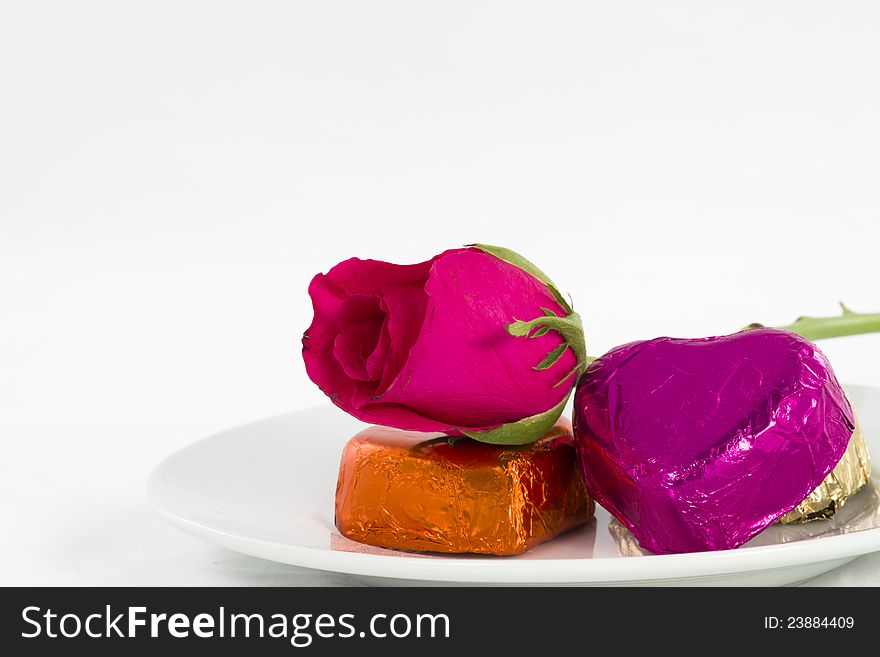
437	346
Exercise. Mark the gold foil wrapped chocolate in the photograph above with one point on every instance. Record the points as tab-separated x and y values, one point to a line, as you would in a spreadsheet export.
627	545
847	477
414	491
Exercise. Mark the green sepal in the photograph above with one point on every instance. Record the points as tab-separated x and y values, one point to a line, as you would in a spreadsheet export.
527	266
551	358
571	330
522	432
575	371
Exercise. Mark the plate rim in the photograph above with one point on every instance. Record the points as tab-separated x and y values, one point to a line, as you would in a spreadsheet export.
486	569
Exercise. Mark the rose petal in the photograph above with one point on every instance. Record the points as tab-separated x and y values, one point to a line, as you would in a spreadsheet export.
318	341
360	318
405	306
379	359
465	368
373	277
329	293
355	343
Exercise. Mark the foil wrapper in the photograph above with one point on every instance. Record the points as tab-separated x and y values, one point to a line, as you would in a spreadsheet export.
700	444
851	473
627	545
862	513
414	491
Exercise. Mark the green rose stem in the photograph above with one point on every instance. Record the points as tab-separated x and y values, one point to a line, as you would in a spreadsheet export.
820	328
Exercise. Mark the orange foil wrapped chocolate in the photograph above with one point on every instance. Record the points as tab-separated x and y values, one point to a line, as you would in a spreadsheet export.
416	491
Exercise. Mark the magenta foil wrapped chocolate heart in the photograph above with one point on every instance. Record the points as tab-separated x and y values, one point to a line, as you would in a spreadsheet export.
700	444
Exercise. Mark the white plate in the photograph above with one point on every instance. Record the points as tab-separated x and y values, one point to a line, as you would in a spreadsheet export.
266	489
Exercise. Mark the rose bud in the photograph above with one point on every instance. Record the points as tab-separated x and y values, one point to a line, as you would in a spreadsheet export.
440	345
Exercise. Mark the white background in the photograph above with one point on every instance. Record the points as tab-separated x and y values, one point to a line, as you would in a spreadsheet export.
173	173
